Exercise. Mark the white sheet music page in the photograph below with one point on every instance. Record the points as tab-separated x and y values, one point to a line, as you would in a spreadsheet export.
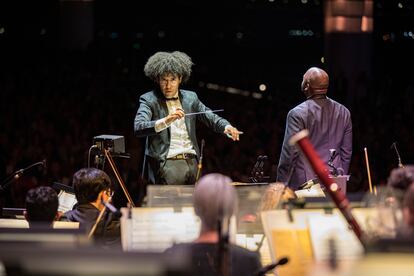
156	229
323	228
66	201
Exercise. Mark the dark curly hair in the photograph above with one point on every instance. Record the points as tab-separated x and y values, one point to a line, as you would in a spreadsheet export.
162	63
41	204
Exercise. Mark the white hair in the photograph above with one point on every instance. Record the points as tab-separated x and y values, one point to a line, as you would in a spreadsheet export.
214	198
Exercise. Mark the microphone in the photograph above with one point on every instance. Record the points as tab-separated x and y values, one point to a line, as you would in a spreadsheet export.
17	174
255	171
333	154
272	266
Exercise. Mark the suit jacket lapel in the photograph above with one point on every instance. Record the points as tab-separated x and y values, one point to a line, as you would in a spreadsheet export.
186	104
162	114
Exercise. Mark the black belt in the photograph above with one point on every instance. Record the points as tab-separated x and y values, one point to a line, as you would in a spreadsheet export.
182	156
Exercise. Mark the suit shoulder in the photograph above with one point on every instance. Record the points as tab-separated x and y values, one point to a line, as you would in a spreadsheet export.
148	95
298	110
188	93
340	106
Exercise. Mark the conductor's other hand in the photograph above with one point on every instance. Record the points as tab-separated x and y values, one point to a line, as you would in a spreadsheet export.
232	133
176	115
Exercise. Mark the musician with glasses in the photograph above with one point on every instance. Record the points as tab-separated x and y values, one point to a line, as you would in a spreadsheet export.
92	188
172	150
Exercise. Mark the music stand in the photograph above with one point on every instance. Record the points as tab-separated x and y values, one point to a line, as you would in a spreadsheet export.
176	196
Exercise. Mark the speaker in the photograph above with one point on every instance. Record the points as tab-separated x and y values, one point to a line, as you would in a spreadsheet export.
113	143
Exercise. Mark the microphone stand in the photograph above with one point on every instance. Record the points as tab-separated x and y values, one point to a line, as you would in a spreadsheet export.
333	154
400	165
255	171
200	162
7	182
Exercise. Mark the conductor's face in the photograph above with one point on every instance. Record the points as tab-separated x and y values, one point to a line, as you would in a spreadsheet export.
169	85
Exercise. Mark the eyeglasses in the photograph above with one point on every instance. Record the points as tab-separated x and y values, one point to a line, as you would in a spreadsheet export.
109	192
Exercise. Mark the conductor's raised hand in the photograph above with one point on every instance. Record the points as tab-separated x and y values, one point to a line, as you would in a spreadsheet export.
232	133
176	115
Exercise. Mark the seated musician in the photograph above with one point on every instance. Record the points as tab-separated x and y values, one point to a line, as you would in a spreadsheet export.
215	198
93	186
401	178
407	230
41	206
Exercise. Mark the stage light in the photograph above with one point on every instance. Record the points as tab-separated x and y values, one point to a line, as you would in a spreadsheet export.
400	5
323	59
2	30
262	87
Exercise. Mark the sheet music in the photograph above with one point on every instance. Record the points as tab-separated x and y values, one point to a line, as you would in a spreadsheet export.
314	191
156	229
66	201
332	226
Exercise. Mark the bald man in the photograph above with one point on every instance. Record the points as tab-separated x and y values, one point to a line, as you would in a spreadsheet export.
330	127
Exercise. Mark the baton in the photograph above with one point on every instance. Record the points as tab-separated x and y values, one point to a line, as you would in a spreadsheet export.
203	112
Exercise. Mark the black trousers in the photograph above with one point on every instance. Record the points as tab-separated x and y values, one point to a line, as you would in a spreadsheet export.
177	172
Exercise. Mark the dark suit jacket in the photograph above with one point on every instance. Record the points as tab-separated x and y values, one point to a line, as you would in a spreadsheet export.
330	127
107	233
152	107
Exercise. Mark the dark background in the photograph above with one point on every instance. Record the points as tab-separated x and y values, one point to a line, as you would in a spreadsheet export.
72	70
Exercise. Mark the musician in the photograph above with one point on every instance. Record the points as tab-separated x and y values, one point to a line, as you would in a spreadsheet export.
407	230
215	200
401	178
93	186
330	127
41	206
172	148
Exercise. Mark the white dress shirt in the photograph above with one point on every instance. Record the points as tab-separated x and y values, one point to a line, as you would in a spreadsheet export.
179	140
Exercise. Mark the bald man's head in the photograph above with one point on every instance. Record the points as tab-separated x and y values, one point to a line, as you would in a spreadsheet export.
315	81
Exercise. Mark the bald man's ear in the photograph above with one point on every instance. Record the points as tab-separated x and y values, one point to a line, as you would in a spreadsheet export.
305	86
